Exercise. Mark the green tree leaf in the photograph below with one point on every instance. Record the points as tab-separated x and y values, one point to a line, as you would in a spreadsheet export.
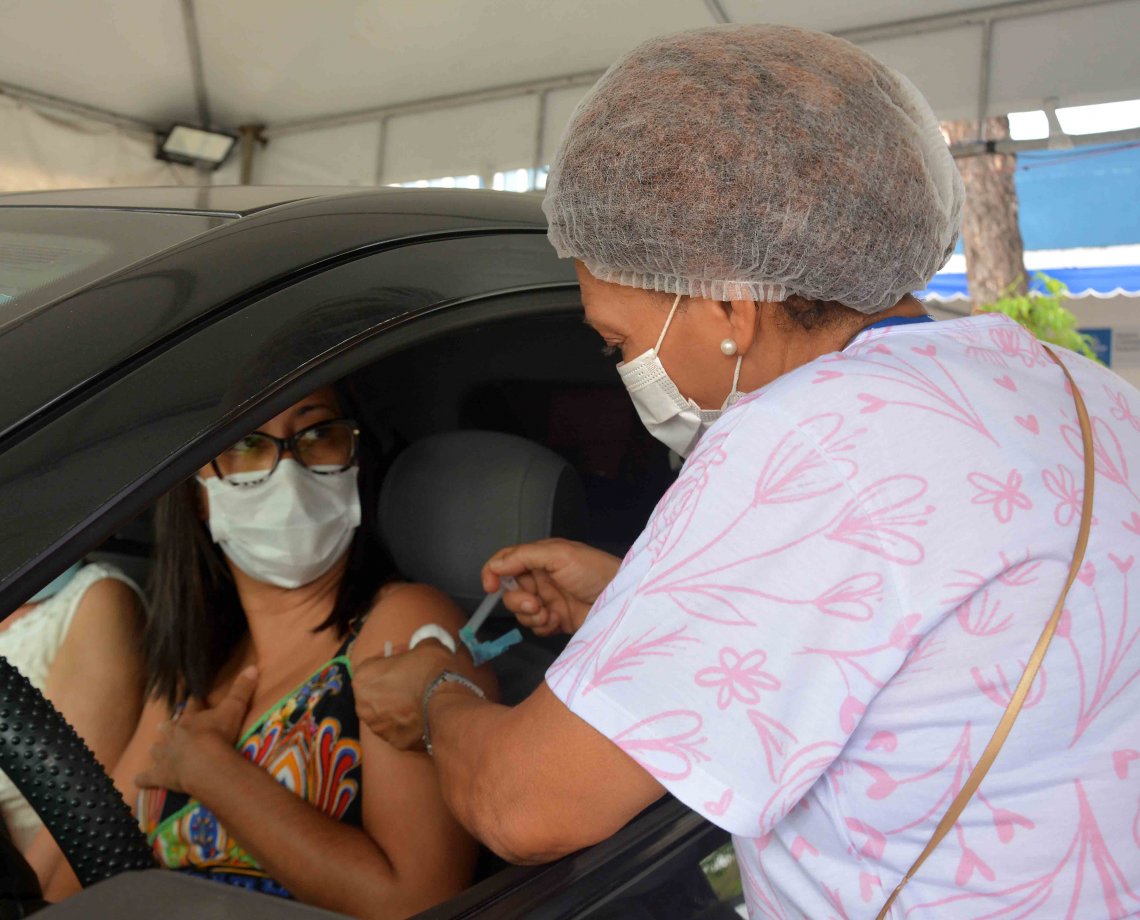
1043	314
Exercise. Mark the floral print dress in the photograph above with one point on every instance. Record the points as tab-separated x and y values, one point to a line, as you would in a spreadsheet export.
309	742
817	632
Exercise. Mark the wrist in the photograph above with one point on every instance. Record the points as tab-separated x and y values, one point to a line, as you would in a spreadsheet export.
436	659
447	682
210	757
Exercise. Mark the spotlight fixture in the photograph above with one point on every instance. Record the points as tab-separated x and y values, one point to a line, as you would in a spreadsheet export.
195	146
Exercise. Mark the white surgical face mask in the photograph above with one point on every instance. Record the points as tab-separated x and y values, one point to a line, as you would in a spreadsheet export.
674	420
289	529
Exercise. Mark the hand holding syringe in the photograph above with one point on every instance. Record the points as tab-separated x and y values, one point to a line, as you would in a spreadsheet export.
483	652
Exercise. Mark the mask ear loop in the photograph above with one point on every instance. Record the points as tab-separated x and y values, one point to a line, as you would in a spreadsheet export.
734	392
668	320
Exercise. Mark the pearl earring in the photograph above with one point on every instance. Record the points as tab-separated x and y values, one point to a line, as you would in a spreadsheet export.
728	348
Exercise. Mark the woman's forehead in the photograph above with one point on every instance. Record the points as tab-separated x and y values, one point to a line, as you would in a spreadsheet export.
324	399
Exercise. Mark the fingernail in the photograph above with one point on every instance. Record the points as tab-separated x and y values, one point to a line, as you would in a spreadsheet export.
528	607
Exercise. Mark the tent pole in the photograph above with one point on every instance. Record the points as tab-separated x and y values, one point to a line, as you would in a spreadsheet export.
984	77
248	138
381	150
943	21
980	148
539	139
1058	139
716	10
58	103
431	105
197	71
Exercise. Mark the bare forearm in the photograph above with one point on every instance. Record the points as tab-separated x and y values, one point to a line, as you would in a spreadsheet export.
320	860
534	782
475	769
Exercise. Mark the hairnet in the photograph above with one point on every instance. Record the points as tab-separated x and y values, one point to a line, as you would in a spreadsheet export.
753	163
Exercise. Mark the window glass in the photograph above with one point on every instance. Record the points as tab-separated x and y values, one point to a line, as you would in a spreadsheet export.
691	883
48	252
723	875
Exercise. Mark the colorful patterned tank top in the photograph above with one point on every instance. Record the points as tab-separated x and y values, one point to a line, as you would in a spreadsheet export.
309	742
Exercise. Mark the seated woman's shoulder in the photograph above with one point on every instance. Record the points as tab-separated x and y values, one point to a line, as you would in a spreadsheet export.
109	606
400	610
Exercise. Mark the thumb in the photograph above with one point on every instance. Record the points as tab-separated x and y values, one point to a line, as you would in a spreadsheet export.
519	560
241	693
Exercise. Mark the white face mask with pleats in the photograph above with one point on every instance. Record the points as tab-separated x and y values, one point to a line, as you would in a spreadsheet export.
288	530
674	420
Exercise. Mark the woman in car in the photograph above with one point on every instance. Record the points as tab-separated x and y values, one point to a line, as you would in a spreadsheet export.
79	641
883	526
248	764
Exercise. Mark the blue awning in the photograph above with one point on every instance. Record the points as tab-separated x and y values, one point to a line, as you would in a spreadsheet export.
1079	211
1097	281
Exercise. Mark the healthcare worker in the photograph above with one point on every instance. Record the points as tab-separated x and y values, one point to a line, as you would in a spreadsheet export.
813	642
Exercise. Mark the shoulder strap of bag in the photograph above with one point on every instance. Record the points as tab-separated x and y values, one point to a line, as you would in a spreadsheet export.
1022	690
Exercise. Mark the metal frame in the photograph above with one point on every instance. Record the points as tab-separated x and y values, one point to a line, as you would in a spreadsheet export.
717	11
978	16
40	100
454	100
978	148
197	70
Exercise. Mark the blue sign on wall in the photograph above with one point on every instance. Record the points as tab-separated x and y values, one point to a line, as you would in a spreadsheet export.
1101	344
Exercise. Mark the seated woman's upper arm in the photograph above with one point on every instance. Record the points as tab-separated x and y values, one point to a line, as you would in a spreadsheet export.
96	679
404	810
402	609
136	756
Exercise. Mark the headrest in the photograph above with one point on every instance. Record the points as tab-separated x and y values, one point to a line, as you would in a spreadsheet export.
450	501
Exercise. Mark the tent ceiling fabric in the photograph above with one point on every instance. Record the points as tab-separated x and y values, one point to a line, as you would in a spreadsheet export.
270	61
369	91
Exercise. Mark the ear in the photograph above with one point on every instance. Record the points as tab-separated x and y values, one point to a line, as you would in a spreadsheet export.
744	318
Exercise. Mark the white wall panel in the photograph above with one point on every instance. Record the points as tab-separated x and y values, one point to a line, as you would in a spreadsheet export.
1080	56
345	155
472	140
41	151
560	105
945	66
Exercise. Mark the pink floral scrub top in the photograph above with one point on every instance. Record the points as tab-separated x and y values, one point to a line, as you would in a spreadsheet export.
820	626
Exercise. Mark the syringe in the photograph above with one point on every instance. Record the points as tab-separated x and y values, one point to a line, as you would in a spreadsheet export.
482	652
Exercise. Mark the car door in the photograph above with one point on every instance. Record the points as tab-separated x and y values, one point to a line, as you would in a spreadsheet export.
83	469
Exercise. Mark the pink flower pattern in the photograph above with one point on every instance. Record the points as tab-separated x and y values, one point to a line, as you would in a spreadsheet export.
1004	496
737	677
824	619
1063	485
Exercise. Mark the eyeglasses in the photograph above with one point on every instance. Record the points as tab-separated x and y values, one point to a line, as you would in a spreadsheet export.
324	448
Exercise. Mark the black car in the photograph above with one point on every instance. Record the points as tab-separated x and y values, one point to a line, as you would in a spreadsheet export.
143	331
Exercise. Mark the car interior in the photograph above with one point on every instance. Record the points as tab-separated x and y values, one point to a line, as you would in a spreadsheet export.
490	440
492	435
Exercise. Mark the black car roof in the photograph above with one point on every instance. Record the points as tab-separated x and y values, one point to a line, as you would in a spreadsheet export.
93	332
227	200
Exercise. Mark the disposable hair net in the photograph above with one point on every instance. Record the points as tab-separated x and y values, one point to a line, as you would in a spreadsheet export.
753	163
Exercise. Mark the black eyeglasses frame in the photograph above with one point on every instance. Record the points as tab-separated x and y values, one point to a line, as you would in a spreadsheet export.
290	444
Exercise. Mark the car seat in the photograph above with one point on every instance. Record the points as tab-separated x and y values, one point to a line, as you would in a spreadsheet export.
450	501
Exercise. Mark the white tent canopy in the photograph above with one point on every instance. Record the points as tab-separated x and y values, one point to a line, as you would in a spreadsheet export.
380	91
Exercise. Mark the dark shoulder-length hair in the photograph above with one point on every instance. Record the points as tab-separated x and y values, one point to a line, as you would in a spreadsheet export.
196	618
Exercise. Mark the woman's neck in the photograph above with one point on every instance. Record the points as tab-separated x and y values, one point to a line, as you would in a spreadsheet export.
283	619
782	346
